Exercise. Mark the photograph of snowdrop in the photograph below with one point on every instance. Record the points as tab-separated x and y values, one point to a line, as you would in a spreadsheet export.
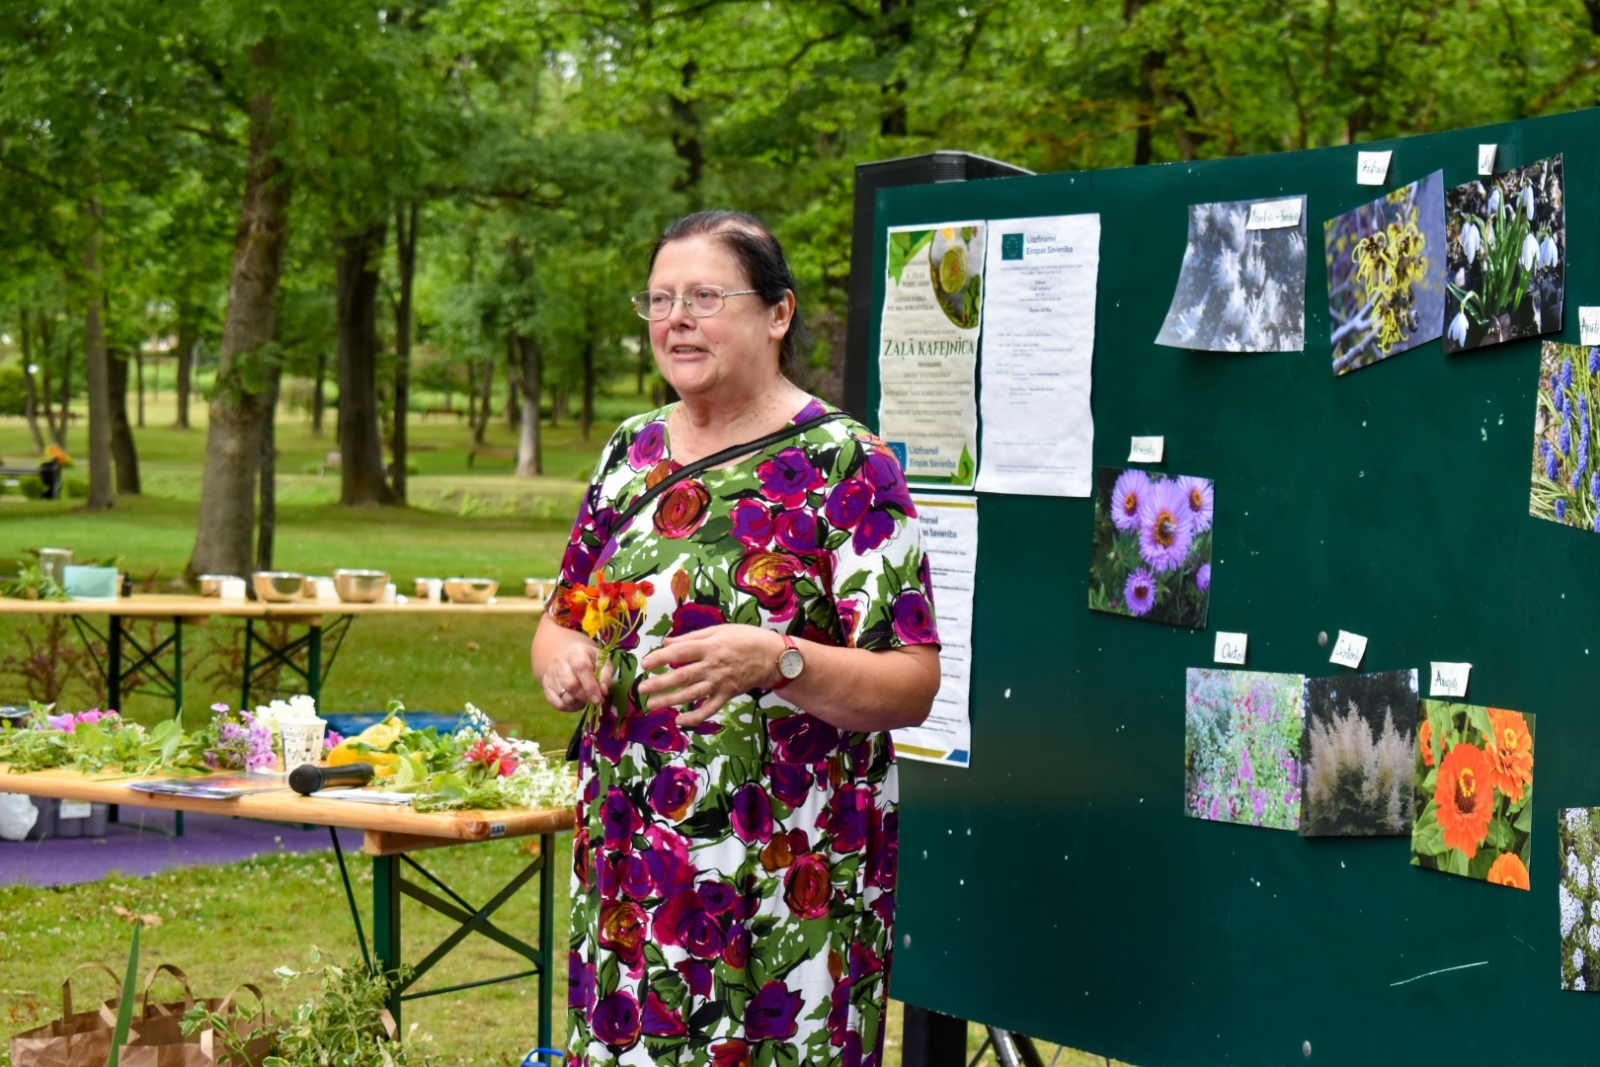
1507	256
1474	793
1152	546
1566	483
1579	894
1360	748
1240	290
1386	274
1241	747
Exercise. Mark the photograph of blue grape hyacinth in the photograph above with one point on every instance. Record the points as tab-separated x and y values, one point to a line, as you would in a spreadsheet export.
1566	484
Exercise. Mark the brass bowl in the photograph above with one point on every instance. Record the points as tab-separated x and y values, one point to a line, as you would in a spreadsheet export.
538	588
211	584
360	587
470	590
278	587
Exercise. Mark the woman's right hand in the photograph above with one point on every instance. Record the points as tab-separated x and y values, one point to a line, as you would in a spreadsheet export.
569	681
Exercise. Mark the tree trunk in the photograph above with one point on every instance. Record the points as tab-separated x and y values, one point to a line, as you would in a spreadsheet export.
124	456
31	395
64	399
360	448
513	385
586	416
896	39
406	256
558	403
267	527
530	451
237	415
686	136
188	338
472	396
139	384
485	407
319	396
102	496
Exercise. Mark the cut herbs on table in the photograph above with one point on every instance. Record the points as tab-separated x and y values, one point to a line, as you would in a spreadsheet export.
1474	792
1360	750
1152	546
1507	241
1566	482
1242	747
95	741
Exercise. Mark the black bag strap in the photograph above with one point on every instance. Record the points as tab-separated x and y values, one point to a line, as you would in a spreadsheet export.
716	459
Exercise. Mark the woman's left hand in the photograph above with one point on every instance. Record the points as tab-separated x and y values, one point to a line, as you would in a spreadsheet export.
713	666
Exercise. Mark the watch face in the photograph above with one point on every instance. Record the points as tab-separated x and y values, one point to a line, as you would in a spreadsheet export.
791	663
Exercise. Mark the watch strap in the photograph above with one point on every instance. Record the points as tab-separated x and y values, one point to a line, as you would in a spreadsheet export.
789	646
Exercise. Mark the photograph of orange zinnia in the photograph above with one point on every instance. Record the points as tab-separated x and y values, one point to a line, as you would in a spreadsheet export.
1474	798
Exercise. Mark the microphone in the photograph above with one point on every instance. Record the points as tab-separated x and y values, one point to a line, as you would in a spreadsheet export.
308	778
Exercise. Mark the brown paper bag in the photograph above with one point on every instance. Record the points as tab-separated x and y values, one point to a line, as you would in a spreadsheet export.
157	1038
77	1039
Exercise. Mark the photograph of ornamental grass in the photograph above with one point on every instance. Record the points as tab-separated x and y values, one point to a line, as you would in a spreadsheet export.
1359	755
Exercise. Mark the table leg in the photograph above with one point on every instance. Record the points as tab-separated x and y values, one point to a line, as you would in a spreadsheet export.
386	924
314	664
114	665
249	633
547	928
177	669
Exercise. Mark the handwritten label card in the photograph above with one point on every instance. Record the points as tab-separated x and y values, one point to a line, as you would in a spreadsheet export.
1449	679
1589	326
1348	650
1486	154
1150	449
1372	167
1274	214
1231	648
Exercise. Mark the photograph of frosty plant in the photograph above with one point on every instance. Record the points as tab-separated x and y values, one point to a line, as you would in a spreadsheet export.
1360	751
1566	484
1507	256
1241	747
1386	274
1240	290
1152	546
1579	895
1474	792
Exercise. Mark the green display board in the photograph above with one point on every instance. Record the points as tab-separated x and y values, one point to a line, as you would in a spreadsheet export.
1055	887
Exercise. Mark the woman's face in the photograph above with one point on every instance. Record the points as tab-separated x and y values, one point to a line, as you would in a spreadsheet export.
734	351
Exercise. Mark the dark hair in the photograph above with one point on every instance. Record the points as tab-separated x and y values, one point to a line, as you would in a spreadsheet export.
761	258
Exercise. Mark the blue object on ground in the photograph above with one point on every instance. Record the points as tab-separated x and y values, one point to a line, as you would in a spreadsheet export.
348	725
532	1058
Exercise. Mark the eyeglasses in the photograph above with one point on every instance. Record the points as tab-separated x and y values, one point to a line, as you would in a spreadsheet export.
701	302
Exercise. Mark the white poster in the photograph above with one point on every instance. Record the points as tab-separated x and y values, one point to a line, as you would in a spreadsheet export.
1038	354
927	362
950	538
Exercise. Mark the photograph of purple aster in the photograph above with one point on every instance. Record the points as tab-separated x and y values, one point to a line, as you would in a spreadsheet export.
1152	546
1565	483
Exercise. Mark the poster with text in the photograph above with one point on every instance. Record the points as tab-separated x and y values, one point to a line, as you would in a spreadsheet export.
950	539
928	354
1038	431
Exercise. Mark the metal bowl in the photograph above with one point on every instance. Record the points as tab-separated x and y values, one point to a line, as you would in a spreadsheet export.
15	716
211	584
278	587
360	587
470	590
538	588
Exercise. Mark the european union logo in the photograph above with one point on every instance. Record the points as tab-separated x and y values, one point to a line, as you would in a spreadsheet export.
899	450
1011	246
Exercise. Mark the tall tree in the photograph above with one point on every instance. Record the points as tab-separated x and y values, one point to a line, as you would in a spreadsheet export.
360	449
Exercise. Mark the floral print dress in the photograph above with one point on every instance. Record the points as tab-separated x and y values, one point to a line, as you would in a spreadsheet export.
733	883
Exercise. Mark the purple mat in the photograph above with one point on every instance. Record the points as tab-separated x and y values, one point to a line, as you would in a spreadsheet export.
142	845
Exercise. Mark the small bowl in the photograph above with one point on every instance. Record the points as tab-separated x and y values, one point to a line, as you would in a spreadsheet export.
14	716
538	588
211	584
360	587
470	590
278	587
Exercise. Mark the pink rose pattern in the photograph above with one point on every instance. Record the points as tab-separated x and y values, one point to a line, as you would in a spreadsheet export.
733	886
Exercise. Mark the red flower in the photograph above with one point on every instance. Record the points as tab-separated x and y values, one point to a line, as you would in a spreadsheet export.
1465	794
682	509
808	886
769	577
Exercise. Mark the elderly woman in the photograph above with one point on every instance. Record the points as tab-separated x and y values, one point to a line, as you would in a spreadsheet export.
734	862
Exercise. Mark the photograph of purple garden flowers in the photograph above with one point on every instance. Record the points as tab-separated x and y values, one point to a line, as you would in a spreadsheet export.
1566	483
1241	747
1152	546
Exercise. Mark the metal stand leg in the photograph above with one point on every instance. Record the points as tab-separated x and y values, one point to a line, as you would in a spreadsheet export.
249	633
386	923
932	1039
177	669
547	933
314	663
114	665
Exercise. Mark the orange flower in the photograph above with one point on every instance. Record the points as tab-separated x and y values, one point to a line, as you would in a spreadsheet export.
1425	743
1508	870
606	610
1510	752
56	453
1466	798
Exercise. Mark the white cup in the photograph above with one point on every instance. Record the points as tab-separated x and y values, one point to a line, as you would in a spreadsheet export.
431	588
326	592
302	741
232	589
388	594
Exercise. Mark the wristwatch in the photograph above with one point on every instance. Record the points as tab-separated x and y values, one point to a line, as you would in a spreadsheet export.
790	663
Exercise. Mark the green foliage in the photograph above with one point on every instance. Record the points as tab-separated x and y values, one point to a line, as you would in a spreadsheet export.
13	391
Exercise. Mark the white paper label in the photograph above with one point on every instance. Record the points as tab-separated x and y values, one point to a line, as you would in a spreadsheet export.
1231	648
1372	167
1486	154
1589	326
1274	214
1449	679
1147	449
74	809
1348	650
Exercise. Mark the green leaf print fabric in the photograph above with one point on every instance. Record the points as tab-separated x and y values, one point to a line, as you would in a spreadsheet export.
733	884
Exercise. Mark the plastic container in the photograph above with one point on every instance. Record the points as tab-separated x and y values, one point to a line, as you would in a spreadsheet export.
51	824
351	724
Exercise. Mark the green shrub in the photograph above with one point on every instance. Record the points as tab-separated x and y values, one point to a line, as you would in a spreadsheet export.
76	489
32	487
13	391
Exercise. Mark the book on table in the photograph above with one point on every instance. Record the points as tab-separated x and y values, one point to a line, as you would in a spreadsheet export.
212	787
